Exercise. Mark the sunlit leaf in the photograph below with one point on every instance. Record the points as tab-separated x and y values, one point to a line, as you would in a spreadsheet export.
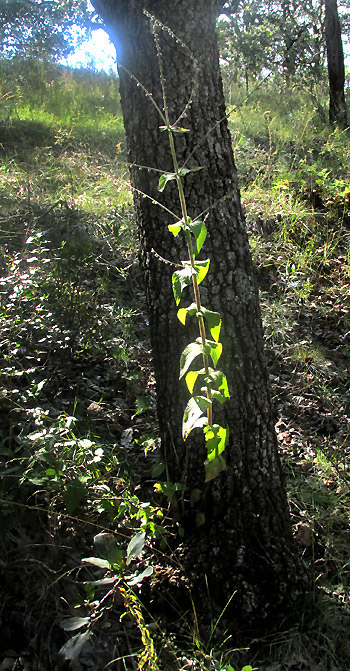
190	352
135	547
216	438
175	228
213	320
164	179
107	546
213	349
175	129
183	312
73	623
72	648
191	379
194	414
136	579
97	561
181	279
201	268
219	380
199	230
185	171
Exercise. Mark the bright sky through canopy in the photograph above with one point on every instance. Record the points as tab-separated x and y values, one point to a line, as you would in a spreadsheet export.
96	52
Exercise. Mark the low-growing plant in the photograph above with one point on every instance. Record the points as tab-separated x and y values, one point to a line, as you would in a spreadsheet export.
119	577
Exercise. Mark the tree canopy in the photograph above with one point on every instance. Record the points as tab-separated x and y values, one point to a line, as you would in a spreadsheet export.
42	28
278	35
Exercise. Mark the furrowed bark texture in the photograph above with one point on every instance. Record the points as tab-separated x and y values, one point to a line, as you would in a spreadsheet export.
335	64
246	544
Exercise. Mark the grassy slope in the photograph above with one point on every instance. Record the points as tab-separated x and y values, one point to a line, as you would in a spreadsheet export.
77	394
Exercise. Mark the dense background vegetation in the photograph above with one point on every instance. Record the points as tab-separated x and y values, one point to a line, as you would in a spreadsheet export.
79	433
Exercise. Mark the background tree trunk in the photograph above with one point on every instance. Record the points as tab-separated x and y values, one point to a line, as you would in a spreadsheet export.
335	64
246	545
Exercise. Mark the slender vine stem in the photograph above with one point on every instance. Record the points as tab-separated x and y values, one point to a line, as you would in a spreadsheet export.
197	297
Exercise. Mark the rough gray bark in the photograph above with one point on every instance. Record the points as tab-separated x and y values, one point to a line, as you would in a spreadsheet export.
246	544
335	64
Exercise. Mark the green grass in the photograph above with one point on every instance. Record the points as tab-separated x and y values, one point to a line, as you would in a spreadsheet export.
78	443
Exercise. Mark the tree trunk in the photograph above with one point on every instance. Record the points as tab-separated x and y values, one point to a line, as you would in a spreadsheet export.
245	546
335	64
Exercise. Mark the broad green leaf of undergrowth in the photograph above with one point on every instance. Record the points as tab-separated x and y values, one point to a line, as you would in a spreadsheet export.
73	495
97	561
72	648
136	579
73	623
185	171
135	547
194	414
190	352
108	548
169	489
216	379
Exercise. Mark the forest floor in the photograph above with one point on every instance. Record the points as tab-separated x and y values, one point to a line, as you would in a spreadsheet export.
79	437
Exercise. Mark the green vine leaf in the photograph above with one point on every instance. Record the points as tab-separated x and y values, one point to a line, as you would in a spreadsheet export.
213	320
183	312
169	489
176	228
185	171
214	468
216	438
181	279
191	379
218	396
191	351
199	230
174	129
201	268
219	380
213	349
164	179
194	414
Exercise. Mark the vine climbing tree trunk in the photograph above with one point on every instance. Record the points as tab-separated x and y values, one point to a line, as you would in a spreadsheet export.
335	64
245	547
